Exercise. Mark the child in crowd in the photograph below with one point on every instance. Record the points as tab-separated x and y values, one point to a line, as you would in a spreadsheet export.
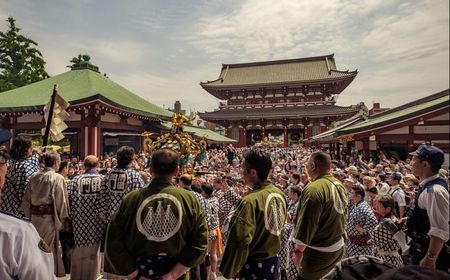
386	246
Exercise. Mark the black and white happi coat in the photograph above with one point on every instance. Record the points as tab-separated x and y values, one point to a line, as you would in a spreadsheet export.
19	173
386	246
115	186
227	203
212	214
361	214
218	193
83	191
287	246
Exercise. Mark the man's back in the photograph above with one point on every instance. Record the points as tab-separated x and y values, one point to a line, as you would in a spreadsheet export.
115	186
255	228
321	225
44	202
323	205
87	226
157	226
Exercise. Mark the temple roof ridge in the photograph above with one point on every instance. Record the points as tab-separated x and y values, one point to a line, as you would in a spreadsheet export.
280	61
289	72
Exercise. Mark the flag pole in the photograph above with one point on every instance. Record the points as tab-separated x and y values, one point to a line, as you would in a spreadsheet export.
50	116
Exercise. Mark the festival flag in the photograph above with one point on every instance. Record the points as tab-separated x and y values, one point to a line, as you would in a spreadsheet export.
55	114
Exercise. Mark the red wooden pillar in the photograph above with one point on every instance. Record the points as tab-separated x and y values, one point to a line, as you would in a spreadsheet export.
286	140
308	131
91	131
242	137
91	140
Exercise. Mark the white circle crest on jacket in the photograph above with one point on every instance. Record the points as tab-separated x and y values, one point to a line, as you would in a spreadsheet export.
162	219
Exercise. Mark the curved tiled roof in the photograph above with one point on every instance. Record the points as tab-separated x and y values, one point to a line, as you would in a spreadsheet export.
310	69
78	86
270	113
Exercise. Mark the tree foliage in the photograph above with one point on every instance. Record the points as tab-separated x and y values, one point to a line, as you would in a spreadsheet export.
76	60
21	63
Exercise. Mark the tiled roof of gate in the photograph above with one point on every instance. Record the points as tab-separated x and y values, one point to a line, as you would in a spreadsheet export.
270	113
278	72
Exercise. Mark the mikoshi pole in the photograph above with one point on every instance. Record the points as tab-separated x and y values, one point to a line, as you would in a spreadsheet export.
50	116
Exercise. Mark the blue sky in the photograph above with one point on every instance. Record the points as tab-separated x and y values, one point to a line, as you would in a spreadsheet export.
161	50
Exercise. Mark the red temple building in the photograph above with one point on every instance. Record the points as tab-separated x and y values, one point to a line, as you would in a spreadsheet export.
284	100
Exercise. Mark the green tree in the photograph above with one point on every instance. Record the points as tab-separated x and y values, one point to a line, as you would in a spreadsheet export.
21	63
77	60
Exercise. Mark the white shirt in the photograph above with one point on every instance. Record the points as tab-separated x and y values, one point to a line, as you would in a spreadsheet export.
436	202
398	195
20	255
383	188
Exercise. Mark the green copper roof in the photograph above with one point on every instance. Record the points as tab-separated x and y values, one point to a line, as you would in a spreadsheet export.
412	109
77	86
211	136
329	134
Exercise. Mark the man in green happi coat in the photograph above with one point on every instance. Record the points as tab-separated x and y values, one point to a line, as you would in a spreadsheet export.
158	231
254	238
320	226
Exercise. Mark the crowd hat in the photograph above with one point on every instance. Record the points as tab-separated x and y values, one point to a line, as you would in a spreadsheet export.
5	135
429	153
350	180
396	176
351	169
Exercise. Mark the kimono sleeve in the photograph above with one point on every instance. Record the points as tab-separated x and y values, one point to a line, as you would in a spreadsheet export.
240	236
308	216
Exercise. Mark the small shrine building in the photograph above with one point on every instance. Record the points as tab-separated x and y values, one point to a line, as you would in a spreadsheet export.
103	114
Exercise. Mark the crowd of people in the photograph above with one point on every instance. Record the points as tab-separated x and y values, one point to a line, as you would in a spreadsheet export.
248	213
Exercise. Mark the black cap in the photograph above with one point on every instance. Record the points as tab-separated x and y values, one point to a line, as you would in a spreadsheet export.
397	176
5	135
430	153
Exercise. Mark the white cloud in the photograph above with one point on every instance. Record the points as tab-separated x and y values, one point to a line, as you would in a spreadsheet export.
121	51
400	48
260	30
162	50
411	33
164	91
